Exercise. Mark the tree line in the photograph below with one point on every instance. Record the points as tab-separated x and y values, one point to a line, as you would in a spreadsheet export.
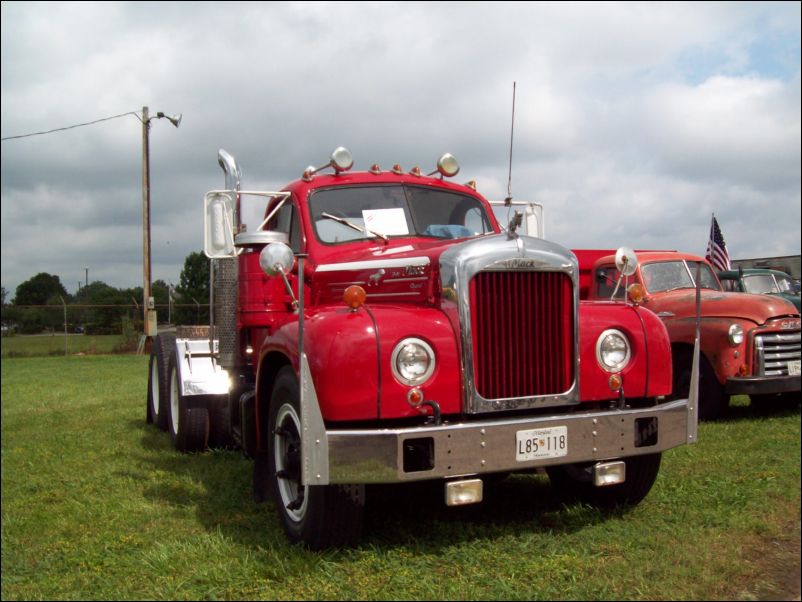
40	302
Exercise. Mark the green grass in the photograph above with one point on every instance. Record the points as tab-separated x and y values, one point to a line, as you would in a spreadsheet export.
97	505
43	345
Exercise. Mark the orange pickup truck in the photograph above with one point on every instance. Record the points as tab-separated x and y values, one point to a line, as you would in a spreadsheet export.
750	343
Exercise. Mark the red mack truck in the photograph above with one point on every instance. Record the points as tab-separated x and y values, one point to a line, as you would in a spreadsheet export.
384	327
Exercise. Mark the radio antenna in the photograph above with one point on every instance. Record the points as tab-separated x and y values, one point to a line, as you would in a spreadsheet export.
512	131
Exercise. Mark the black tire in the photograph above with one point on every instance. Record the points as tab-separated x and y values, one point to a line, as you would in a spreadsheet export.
220	423
713	401
188	426
320	517
158	383
576	480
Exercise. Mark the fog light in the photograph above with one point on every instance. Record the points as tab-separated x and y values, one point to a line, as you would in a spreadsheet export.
460	493
609	473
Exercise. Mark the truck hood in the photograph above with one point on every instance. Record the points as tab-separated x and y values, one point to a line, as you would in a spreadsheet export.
716	304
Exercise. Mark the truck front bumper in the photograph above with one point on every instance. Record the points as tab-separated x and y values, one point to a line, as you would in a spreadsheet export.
474	448
762	385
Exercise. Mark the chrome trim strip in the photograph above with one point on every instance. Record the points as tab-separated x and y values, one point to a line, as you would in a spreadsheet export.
373	264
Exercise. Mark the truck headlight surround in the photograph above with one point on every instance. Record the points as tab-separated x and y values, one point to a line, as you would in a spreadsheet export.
413	361
735	335
613	350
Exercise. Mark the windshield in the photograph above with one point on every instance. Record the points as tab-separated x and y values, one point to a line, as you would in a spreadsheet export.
760	284
785	285
670	275
364	212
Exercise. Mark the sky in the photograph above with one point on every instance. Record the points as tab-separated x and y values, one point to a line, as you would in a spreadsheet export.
634	122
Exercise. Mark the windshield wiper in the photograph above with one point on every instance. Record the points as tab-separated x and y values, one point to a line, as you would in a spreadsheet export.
345	222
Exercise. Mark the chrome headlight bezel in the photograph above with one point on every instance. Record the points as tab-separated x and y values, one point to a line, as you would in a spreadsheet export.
735	334
613	350
401	354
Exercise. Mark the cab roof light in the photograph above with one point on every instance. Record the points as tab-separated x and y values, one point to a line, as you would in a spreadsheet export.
375	169
340	159
398	170
415	171
447	166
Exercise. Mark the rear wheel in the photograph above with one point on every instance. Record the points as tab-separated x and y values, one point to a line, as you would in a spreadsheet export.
188	426
576	480
158	383
322	516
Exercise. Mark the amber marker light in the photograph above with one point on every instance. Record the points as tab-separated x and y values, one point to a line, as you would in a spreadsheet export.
375	169
636	293
354	297
415	397
415	171
397	169
615	382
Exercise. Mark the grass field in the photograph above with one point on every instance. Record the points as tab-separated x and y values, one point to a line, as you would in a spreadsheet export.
96	505
55	344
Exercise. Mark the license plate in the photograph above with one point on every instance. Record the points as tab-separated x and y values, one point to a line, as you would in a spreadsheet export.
537	444
794	368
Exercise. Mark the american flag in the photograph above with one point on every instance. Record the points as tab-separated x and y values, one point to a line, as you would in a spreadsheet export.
717	248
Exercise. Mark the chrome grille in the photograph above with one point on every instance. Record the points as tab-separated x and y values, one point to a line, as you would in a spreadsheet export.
773	351
523	333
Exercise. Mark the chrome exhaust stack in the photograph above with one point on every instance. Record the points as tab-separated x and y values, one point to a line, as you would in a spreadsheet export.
224	275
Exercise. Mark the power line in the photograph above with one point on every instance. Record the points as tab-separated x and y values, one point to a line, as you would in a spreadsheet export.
69	127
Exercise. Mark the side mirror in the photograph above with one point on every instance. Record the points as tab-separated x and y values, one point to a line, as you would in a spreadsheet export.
276	258
218	223
626	261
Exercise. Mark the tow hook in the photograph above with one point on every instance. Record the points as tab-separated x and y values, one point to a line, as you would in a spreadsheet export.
438	419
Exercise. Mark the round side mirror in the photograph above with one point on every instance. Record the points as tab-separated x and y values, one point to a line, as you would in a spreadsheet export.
626	261
275	258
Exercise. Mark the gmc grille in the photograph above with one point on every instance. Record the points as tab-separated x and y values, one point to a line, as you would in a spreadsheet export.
523	333
773	351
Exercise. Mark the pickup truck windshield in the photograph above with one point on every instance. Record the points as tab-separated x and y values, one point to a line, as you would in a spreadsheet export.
361	212
670	275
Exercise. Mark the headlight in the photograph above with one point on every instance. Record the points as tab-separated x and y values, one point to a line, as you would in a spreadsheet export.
413	361
736	334
612	350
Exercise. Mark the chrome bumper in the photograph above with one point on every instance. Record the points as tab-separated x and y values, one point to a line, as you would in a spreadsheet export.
378	456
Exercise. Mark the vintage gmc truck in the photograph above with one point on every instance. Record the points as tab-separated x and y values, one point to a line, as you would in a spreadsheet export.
750	343
383	327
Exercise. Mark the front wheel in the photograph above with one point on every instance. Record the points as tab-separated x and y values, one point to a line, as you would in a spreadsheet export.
713	401
322	516
577	480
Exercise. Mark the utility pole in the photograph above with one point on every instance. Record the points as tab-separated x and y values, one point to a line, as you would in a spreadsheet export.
148	305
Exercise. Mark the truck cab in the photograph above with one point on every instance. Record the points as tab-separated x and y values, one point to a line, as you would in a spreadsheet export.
759	281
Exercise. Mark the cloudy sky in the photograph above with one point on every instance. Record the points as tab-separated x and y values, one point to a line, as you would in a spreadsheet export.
634	121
